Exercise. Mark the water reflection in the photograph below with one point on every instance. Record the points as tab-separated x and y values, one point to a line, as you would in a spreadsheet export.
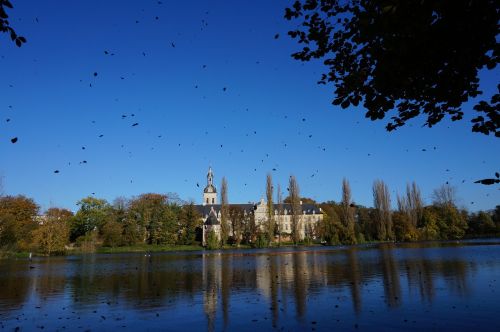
286	288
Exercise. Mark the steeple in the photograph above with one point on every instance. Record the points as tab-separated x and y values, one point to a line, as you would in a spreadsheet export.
210	192
210	177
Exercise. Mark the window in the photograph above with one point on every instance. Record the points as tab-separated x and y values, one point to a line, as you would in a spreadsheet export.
207	200
213	200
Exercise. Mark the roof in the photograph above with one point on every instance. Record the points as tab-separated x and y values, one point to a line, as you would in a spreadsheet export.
212	219
210	189
204	210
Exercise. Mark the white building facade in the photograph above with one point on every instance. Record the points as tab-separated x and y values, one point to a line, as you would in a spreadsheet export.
308	220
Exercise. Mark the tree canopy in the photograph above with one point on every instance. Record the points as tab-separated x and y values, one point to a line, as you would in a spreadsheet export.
5	25
404	57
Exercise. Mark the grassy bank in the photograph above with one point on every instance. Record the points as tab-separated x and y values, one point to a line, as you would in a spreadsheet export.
13	254
147	248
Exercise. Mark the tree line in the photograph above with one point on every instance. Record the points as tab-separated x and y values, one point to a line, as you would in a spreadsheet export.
347	223
163	219
151	218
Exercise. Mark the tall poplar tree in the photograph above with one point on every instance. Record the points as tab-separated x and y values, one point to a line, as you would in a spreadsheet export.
270	208
347	214
382	204
295	208
224	209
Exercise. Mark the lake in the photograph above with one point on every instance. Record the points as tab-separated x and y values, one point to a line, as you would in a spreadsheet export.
388	287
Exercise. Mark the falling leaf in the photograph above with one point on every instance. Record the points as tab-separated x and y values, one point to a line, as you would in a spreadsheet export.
488	181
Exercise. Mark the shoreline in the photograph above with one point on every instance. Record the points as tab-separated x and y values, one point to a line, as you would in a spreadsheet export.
7	254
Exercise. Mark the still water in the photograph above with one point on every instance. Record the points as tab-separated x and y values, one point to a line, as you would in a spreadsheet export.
431	286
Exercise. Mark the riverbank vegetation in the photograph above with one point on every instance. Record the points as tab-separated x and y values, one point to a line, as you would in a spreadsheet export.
159	222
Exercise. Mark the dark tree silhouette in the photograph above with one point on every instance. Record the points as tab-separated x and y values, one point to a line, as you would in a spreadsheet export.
5	25
406	57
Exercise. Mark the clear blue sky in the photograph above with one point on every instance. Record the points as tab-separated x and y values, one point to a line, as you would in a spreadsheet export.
177	93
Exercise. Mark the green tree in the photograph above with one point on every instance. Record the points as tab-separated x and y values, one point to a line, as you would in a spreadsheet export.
111	233
401	55
18	218
190	220
430	229
52	235
90	217
224	211
279	222
237	217
212	241
367	222
295	208
347	212
270	226
330	229
452	222
481	224
157	219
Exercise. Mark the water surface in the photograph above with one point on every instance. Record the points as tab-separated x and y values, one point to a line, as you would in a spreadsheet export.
392	287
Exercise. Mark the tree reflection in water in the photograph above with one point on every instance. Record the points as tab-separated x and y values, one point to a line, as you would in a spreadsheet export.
230	289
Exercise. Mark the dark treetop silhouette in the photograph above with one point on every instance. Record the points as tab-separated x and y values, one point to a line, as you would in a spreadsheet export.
5	26
409	57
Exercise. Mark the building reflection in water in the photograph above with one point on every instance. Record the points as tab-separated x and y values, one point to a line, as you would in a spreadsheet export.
280	282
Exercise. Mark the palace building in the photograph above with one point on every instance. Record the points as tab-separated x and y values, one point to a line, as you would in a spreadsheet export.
210	211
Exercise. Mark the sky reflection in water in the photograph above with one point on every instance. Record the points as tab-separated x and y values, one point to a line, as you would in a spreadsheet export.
449	286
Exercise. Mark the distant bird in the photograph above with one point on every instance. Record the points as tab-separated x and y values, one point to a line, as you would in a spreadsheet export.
276	36
106	52
424	150
224	89
197	184
173	45
7	120
95	74
56	171
13	140
101	135
135	124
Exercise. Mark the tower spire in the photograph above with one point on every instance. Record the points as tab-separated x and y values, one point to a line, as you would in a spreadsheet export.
210	177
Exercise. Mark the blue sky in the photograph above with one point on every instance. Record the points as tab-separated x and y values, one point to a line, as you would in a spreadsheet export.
263	119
